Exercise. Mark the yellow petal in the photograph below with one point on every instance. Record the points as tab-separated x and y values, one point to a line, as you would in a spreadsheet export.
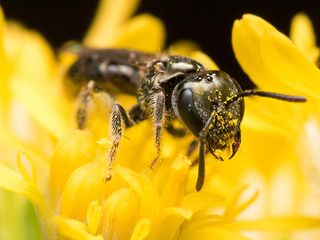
191	49
199	200
94	214
12	143
146	193
176	183
41	107
138	142
234	208
133	179
4	64
279	224
2	29
271	60
246	34
183	48
120	214
211	232
303	35
169	223
141	230
109	17
258	116
72	151
39	91
246	41
274	149
27	169
290	66
74	230
204	59
256	123
84	186
144	32
14	182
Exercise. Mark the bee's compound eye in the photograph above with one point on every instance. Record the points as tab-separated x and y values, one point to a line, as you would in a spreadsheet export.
160	66
188	112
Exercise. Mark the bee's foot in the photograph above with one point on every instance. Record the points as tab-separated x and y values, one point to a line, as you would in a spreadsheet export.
107	177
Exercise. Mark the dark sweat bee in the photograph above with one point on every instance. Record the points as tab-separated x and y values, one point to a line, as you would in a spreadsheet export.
208	103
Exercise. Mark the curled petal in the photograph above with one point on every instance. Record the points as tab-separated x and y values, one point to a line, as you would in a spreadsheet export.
14	182
84	186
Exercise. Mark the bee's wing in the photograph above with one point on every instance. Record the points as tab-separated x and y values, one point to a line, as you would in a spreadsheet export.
120	70
129	57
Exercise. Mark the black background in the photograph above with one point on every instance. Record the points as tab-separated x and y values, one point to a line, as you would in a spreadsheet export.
209	26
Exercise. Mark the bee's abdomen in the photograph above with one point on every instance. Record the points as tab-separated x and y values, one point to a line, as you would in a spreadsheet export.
111	76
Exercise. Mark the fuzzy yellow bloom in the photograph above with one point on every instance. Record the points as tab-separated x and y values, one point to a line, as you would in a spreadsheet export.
60	169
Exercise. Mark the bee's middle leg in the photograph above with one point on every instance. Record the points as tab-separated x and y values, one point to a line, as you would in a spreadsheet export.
159	115
120	117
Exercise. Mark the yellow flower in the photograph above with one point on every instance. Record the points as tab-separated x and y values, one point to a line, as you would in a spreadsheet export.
60	169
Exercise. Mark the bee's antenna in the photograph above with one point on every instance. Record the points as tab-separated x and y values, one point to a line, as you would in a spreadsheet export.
279	96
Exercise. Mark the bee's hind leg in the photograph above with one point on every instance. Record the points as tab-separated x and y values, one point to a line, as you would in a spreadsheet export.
85	98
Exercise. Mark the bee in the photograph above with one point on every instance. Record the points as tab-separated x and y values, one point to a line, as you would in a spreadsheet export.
208	103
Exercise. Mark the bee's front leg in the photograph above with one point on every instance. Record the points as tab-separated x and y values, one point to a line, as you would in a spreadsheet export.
202	152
